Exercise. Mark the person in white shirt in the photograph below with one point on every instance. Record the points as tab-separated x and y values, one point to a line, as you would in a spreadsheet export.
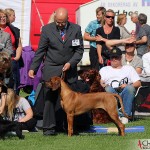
146	63
145	75
120	79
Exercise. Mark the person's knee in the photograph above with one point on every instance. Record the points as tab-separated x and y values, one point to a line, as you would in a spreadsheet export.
130	89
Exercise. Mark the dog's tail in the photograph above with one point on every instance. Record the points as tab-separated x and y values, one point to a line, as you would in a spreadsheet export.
122	107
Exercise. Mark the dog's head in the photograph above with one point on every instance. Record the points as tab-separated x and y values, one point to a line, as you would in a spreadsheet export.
54	83
90	76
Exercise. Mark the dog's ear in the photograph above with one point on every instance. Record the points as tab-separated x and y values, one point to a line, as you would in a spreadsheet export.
48	83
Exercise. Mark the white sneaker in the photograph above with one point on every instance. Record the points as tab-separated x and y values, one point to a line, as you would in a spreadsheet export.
124	120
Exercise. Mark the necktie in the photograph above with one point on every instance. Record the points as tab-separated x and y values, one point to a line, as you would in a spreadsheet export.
62	34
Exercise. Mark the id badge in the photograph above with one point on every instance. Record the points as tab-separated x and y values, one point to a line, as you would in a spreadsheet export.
76	42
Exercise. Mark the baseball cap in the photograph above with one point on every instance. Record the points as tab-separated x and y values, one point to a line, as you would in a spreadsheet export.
115	52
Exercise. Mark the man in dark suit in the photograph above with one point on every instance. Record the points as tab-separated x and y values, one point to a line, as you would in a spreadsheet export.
61	46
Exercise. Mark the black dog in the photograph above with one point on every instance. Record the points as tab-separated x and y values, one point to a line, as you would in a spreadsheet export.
8	126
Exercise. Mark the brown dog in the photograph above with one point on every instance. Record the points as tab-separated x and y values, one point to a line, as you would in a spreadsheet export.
76	103
92	78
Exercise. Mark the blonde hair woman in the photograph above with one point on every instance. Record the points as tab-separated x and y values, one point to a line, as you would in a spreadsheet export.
19	109
106	32
11	14
124	33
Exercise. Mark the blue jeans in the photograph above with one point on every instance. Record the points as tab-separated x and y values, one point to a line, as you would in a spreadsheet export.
127	95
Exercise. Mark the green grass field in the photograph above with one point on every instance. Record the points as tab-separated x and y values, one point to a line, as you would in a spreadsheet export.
83	141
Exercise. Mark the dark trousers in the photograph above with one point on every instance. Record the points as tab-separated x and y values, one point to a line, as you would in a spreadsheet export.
29	125
16	76
53	115
94	58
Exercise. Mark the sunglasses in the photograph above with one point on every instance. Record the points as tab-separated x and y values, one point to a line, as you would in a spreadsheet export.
112	17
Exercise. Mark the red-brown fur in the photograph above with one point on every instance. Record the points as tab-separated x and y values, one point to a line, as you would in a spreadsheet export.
92	77
75	103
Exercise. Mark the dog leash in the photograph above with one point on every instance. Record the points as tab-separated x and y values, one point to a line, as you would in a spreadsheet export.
63	75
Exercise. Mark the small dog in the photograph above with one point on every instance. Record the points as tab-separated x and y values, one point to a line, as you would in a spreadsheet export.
92	78
8	126
77	103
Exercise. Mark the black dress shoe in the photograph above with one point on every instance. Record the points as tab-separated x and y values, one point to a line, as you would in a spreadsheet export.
49	132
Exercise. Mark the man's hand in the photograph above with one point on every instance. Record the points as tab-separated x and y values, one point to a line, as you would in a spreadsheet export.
31	73
66	67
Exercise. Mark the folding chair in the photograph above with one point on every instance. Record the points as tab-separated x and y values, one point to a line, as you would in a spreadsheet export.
141	94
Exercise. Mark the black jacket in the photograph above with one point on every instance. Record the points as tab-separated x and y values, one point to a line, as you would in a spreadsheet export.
16	33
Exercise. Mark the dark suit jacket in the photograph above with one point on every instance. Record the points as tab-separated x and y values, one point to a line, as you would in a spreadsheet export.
57	52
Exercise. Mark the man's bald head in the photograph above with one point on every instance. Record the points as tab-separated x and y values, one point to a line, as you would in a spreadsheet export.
61	17
61	14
